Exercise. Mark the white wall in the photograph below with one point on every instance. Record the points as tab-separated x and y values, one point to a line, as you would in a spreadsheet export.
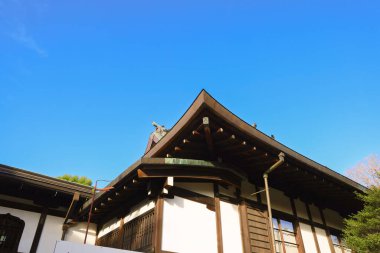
323	241
315	214
301	209
206	189
247	189
51	233
231	232
188	227
308	238
31	221
279	201
333	219
77	233
70	247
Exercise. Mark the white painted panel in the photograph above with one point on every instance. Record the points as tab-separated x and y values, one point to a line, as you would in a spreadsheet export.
206	189
31	221
70	247
333	219
315	214
231	233
301	209
51	233
78	232
279	201
247	189
188	227
323	241
229	191
308	238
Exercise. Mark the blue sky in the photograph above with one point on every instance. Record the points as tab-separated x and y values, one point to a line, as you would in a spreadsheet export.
81	81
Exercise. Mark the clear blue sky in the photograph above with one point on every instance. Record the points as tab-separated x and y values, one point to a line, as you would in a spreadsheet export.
81	81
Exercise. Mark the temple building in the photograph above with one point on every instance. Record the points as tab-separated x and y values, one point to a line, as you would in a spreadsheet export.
212	183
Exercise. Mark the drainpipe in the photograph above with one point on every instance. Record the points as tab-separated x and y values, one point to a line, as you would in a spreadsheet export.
281	156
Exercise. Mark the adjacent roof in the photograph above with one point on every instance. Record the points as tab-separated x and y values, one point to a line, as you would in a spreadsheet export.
32	191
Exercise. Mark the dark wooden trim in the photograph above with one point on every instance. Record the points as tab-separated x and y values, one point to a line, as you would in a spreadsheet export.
158	216
244	227
313	228
31	208
301	246
38	233
70	211
219	233
44	181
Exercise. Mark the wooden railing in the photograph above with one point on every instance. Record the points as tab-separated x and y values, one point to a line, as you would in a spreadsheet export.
134	235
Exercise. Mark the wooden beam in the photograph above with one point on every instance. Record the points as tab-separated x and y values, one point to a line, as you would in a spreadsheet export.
207	131
70	211
195	172
157	230
38	233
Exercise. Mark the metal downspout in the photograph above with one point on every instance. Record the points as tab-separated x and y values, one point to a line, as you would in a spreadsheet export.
281	156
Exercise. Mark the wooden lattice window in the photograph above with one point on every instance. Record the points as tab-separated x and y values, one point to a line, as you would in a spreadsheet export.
11	229
285	236
137	234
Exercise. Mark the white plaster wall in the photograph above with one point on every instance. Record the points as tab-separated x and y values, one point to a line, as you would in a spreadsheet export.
231	233
51	233
323	241
230	191
279	201
188	227
315	214
308	238
333	219
31	221
206	189
301	209
247	189
136	211
78	232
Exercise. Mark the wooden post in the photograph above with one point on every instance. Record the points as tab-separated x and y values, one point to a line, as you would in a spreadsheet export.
327	230
218	225
39	229
301	247
244	227
312	227
158	215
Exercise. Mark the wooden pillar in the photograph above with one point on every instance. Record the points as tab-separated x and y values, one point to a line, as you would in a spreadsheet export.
301	246
218	225
39	229
244	227
312	227
158	215
327	230
121	233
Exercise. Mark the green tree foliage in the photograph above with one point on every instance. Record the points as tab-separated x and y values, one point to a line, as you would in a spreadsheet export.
75	179
362	230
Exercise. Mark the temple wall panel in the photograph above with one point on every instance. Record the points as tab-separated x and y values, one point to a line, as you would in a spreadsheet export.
206	189
188	227
230	219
